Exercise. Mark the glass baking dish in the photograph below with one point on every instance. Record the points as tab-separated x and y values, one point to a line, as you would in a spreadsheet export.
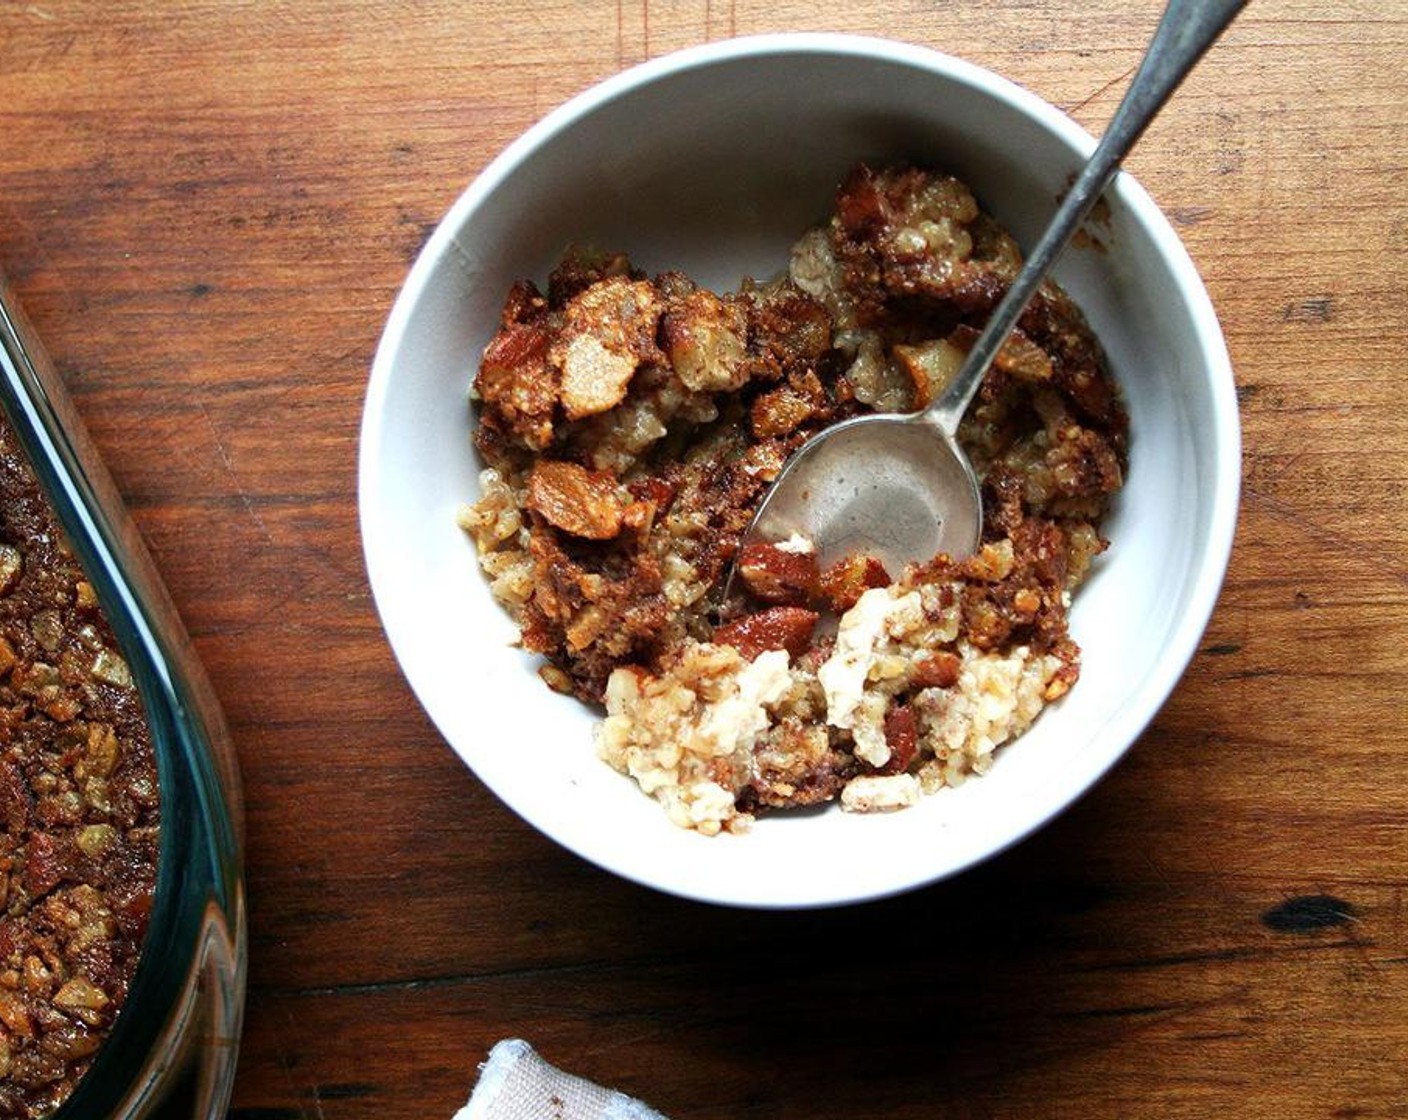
172	1048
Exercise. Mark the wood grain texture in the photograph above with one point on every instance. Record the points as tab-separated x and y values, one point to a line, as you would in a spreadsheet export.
207	208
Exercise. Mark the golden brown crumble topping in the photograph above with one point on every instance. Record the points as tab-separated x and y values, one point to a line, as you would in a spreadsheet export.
79	803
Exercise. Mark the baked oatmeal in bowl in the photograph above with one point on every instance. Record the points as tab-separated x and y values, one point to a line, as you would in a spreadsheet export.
606	352
630	427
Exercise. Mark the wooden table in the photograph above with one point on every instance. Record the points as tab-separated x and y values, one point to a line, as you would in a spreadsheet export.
207	208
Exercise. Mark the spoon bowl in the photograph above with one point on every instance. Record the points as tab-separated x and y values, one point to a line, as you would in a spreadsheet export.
895	487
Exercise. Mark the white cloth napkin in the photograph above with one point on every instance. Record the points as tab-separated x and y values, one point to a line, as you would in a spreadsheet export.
516	1084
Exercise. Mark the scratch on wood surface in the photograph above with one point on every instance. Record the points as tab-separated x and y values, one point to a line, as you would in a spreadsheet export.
1190	215
638	48
617	1039
1311	309
1139	1017
345	1090
229	466
40	13
1218	956
1116	80
1388	564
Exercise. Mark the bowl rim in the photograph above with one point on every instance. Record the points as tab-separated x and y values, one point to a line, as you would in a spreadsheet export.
1143	705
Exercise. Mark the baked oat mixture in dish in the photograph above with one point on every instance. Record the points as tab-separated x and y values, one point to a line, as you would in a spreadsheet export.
630	425
79	804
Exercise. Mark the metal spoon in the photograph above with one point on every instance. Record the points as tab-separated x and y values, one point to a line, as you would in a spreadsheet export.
897	486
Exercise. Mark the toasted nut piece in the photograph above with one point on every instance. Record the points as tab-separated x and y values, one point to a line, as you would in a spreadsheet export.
938	670
993	562
639	517
1021	357
594	378
608	331
45	866
788	628
902	737
14	1015
776	575
930	365
109	667
101	753
651	496
779	411
1061	681
849	578
576	500
706	338
1018	356
94	839
586	627
11	563
80	994
514	378
1026	601
556	679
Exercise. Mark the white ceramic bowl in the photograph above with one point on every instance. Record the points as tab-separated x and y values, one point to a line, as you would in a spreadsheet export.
713	160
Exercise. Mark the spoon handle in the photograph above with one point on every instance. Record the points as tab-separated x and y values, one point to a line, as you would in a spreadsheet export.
1188	28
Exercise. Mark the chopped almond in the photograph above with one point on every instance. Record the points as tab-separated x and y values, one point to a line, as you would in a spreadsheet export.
608	332
938	670
515	377
1021	357
594	378
902	737
788	628
576	500
776	575
706	339
778	412
930	365
1018	355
